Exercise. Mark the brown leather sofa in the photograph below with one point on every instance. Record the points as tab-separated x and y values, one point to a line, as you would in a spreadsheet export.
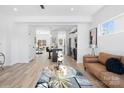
96	66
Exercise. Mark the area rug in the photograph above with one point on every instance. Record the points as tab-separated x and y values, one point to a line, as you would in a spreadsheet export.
79	81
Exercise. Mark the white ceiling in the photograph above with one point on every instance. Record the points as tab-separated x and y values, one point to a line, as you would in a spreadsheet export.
50	10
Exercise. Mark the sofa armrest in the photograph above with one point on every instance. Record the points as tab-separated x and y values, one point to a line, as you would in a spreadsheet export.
90	59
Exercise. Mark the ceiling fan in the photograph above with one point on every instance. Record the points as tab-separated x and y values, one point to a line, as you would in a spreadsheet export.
42	6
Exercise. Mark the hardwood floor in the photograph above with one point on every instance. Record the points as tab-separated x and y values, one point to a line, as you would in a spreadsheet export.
26	75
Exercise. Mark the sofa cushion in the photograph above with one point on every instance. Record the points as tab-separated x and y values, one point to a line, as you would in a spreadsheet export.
109	78
104	56
112	79
95	68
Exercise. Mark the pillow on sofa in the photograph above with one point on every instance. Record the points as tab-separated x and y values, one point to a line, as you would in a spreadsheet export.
104	56
114	65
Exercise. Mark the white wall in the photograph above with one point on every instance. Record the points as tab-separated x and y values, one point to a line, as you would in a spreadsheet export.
6	24
83	41
22	43
19	44
110	43
106	13
31	42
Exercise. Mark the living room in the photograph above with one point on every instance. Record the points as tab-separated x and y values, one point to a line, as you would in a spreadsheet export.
99	39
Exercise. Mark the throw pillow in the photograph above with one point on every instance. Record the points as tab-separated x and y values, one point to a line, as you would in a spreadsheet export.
114	65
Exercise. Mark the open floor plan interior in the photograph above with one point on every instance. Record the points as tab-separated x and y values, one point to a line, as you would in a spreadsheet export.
61	46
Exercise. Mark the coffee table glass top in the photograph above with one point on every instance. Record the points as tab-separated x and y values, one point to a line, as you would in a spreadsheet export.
63	72
61	77
64	77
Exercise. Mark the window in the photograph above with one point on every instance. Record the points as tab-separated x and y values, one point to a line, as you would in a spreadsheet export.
106	28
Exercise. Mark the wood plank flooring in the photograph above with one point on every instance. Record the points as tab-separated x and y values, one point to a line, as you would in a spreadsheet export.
26	75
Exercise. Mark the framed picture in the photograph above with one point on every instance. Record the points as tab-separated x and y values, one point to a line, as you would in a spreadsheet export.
93	37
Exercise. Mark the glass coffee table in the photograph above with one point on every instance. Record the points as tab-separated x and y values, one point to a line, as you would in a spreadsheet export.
60	77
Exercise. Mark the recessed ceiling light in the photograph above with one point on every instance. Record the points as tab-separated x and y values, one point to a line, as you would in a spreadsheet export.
15	9
72	9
